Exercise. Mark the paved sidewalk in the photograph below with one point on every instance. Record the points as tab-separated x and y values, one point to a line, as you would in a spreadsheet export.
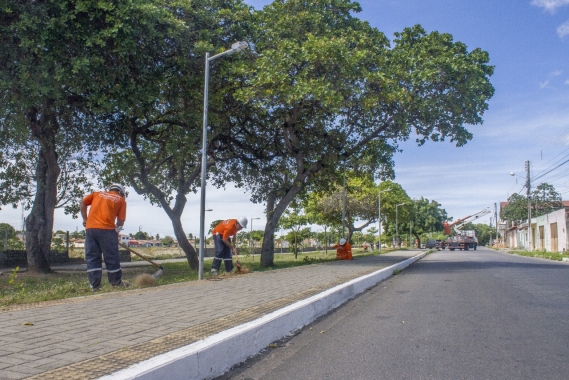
89	337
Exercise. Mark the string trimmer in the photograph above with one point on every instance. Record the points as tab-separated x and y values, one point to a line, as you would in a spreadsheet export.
160	267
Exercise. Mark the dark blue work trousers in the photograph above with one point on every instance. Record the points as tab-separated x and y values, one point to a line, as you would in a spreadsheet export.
105	242
222	253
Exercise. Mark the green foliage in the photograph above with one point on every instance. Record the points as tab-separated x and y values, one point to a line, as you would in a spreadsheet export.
361	203
77	234
329	90
482	231
141	235
58	244
294	219
7	231
556	256
545	199
516	209
426	217
167	241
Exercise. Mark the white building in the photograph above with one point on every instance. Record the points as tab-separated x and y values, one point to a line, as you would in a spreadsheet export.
548	233
124	239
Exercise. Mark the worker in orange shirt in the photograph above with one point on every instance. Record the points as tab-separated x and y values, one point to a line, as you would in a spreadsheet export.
103	223
224	245
343	250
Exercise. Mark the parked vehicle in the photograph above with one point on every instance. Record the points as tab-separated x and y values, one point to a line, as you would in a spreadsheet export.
438	244
430	244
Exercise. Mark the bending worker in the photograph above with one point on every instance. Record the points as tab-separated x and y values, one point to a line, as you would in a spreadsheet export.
106	218
224	245
343	250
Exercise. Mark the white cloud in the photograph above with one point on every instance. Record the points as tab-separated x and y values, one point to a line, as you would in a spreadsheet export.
550	5
544	84
557	73
563	29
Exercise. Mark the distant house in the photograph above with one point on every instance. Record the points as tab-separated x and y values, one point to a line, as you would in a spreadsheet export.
134	243
543	231
149	243
548	233
77	243
124	239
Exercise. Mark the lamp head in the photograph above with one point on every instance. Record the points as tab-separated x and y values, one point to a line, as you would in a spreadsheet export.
238	46
512	174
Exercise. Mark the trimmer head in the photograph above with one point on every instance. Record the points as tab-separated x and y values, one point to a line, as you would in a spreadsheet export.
159	273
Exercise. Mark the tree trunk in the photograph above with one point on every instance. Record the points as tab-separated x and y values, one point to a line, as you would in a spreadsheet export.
175	216
268	248
418	239
349	235
39	224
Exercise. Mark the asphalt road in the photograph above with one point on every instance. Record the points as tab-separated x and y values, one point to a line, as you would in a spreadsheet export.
452	315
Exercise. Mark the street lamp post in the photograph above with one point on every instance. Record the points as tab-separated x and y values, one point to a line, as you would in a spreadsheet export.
379	214
397	224
251	237
236	47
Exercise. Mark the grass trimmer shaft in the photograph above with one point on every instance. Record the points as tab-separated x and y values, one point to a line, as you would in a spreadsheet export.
160	267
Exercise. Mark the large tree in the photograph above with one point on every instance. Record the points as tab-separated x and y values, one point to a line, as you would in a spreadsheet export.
294	219
161	157
516	209
544	199
427	217
327	88
64	66
361	202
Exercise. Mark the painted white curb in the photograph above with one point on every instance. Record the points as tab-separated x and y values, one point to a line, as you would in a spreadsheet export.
216	354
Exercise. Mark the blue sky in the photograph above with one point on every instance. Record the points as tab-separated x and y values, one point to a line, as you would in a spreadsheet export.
528	117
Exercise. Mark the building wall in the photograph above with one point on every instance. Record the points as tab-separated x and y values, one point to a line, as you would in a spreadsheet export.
545	223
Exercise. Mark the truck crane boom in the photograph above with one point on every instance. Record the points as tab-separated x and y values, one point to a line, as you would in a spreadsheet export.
461	222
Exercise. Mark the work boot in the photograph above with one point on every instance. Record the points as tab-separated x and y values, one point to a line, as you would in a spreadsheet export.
124	284
95	290
214	273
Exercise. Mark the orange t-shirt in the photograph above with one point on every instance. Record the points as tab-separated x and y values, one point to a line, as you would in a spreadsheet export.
106	207
226	229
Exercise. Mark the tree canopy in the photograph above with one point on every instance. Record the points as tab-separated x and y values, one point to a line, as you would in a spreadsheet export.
544	199
319	91
329	90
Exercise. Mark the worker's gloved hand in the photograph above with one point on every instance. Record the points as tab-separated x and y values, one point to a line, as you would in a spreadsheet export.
118	229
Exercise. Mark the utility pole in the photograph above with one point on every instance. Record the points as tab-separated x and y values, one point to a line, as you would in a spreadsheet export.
344	204
528	185
496	220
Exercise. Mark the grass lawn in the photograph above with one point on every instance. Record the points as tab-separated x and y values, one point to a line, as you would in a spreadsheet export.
557	256
22	287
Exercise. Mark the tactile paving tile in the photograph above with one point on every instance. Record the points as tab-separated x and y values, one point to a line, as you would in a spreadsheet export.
125	357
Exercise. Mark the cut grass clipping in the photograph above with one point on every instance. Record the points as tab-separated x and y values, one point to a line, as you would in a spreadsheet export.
144	280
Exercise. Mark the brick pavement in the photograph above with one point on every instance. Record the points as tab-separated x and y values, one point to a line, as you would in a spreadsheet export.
88	337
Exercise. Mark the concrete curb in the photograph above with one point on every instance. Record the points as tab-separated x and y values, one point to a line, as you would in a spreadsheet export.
216	354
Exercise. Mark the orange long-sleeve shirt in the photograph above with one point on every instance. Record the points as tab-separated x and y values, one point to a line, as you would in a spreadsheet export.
106	208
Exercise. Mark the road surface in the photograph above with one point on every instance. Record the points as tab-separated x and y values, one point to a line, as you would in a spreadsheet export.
452	315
